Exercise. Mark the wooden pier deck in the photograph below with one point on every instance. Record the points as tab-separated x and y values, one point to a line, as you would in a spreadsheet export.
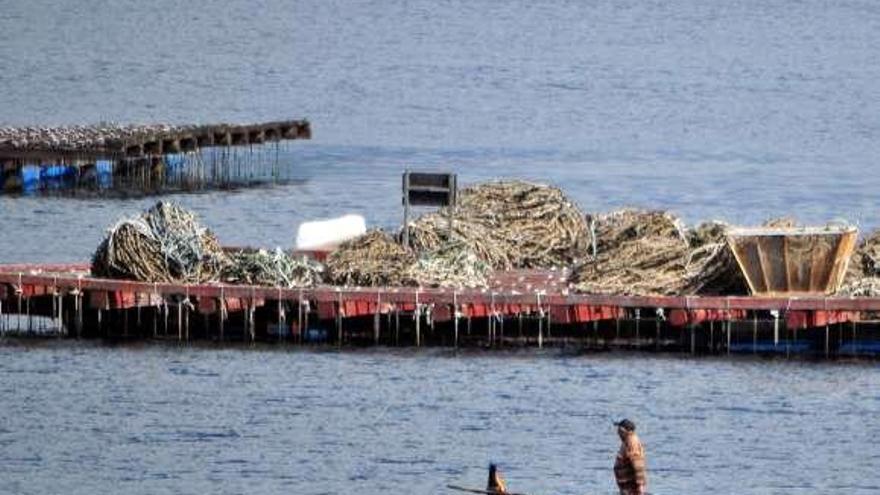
521	308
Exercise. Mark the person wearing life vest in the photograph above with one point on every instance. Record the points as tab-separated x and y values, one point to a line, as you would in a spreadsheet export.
496	482
630	468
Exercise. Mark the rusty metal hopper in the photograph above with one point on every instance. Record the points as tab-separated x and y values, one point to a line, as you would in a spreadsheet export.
793	261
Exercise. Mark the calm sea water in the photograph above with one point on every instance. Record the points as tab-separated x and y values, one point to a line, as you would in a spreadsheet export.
736	110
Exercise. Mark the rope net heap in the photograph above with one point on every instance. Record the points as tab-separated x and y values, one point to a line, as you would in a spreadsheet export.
81	137
863	273
651	252
164	244
509	224
272	268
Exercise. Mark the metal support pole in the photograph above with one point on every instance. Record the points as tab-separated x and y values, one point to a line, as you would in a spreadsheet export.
221	317
455	319
396	326
693	339
376	320
827	343
78	302
540	323
638	324
299	317
727	327
853	347
491	319
775	315
754	332
712	336
418	317
339	319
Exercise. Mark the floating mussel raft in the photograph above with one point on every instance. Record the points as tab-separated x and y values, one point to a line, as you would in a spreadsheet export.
521	265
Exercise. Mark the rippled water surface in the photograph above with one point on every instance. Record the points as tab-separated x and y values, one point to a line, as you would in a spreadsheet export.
737	110
161	419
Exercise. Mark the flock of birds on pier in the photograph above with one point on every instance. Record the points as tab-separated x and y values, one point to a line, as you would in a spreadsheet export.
80	137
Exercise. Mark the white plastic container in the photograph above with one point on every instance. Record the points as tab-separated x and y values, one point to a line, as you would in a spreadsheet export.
325	235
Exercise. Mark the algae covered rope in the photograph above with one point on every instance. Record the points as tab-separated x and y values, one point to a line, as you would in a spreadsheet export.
453	265
272	268
637	252
651	252
510	224
373	259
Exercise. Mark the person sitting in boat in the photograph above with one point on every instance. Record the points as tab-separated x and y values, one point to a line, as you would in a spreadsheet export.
630	468
496	482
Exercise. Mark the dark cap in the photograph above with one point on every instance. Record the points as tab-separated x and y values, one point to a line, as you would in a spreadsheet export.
626	425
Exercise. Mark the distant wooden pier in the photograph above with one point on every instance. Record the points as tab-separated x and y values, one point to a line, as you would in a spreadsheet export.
37	158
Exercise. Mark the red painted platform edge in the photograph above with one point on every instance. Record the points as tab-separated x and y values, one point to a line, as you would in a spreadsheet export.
74	276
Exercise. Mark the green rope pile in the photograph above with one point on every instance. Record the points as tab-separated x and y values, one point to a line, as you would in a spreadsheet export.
164	244
272	268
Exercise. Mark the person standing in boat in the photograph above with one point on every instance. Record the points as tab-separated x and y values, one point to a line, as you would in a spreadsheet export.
630	468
